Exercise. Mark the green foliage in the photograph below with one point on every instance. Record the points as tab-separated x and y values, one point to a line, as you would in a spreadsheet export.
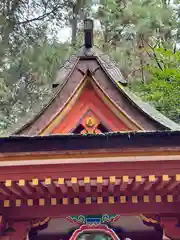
131	32
164	89
137	39
26	83
30	53
144	44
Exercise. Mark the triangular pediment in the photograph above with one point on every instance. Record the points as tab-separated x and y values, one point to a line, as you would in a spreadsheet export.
89	110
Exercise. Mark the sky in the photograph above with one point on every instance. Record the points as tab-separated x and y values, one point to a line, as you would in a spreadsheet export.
64	34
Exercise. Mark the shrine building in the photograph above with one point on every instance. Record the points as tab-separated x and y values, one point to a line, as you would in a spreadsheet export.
95	163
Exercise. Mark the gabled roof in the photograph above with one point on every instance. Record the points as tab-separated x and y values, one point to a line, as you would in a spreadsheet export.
106	62
105	72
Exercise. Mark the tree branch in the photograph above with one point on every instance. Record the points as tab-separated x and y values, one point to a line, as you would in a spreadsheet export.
39	18
154	53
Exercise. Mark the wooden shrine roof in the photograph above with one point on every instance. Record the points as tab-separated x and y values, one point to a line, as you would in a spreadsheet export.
107	76
130	173
62	197
106	62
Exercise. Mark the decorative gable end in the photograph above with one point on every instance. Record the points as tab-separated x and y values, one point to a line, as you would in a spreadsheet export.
96	84
89	110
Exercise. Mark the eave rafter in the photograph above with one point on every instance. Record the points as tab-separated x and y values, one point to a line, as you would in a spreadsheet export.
63	207
100	189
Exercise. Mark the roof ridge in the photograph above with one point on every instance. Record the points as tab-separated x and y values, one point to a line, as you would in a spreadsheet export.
109	65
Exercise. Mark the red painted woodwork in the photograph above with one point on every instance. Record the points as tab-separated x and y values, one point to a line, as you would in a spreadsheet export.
89	104
171	229
21	230
85	209
2	225
92	170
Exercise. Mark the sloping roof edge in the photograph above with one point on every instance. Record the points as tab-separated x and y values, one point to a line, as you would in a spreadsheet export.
148	109
142	105
58	90
116	77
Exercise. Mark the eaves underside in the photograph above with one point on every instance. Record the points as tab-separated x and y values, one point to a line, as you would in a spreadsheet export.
73	142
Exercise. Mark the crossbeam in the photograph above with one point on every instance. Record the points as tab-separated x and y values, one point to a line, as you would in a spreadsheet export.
63	210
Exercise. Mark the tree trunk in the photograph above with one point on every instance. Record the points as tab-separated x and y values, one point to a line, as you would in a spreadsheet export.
74	25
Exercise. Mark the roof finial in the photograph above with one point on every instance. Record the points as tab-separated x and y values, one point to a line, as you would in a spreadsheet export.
88	33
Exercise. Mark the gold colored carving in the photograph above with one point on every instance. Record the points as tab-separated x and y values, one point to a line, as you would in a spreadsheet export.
149	219
37	223
90	122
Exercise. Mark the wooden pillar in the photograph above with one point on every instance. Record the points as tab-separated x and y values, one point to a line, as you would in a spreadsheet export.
2	225
20	231
2	228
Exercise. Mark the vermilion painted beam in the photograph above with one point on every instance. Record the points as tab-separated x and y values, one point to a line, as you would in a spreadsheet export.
21	230
90	170
2	225
122	150
167	209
